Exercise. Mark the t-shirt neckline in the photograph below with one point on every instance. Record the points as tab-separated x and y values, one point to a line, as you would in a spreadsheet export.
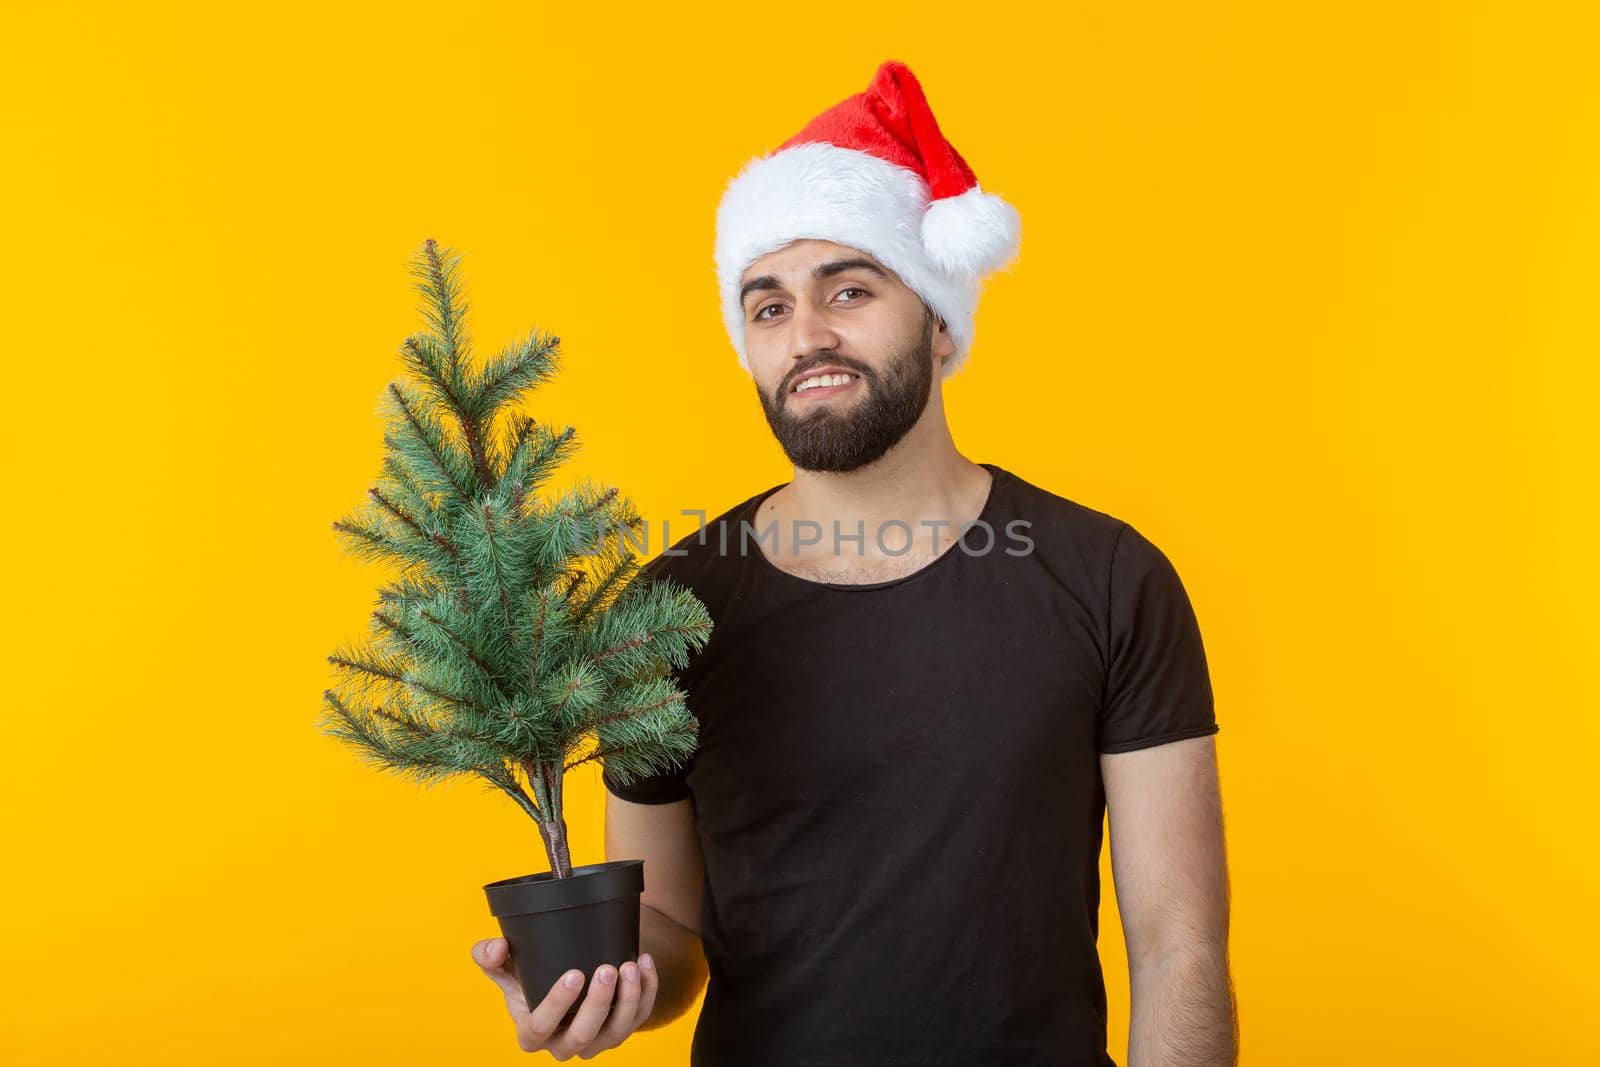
984	515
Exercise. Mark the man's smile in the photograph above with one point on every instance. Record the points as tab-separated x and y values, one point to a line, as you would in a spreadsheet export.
816	386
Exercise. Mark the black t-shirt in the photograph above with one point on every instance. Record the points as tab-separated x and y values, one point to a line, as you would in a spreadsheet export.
897	788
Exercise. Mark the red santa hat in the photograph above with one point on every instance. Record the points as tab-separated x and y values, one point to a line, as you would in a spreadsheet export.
872	172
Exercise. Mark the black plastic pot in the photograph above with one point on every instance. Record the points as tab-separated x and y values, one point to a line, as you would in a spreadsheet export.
555	924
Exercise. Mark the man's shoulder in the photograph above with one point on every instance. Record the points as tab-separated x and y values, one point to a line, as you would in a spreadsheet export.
695	558
1061	522
1072	538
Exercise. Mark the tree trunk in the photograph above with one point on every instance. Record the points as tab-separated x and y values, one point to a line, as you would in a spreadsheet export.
545	778
554	833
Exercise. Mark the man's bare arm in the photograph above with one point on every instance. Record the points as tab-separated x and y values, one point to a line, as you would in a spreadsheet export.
663	835
1170	868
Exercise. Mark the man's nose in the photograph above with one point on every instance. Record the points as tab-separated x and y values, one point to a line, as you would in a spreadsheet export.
810	330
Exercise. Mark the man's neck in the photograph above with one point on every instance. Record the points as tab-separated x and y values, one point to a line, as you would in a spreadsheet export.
927	494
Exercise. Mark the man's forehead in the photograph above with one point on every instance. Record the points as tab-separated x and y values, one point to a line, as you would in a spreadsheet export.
800	255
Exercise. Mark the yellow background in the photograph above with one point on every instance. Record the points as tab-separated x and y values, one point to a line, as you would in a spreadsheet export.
1307	293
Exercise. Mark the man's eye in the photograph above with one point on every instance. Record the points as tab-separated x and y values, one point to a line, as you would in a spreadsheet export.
762	312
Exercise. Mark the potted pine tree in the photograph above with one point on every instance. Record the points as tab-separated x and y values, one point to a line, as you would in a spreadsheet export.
516	638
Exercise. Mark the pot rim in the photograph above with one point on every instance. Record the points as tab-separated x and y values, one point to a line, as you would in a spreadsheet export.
591	883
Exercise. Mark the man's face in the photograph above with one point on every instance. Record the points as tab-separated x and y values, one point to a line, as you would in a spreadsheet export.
818	307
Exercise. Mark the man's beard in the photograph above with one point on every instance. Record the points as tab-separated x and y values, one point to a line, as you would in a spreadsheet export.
827	440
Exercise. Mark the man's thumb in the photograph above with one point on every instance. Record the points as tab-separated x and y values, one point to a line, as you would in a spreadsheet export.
488	952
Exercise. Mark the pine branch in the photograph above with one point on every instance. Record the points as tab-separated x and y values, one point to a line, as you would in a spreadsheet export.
615	576
407	591
401	515
438	273
376	670
449	547
421	730
379	750
524	366
442	375
404	482
529	457
571	693
538	637
425	437
674	700
508	784
394	631
368	541
597	754
468	651
591	509
493	557
628	644
472	432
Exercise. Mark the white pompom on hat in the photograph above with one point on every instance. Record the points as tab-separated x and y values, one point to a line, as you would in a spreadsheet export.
872	172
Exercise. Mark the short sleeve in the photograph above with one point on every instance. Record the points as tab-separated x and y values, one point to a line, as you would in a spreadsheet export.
1158	687
654	789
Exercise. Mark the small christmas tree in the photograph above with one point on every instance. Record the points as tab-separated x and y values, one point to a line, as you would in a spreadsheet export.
514	640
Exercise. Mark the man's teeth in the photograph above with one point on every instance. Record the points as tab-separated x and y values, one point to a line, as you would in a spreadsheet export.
822	379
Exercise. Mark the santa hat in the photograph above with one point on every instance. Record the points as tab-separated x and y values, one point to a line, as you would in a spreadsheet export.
872	172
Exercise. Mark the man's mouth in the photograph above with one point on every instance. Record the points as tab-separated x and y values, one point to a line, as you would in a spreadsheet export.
820	385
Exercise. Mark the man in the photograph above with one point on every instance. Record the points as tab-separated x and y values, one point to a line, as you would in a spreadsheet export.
885	849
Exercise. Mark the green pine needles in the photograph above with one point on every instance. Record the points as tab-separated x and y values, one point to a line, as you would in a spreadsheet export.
513	643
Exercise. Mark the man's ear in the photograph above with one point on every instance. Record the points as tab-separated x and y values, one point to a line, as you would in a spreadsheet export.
944	346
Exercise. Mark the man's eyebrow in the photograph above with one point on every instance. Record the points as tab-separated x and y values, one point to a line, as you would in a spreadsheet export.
819	272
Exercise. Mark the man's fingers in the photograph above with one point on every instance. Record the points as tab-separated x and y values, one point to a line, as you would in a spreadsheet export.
619	999
494	956
490	953
536	1030
619	1024
649	982
591	1013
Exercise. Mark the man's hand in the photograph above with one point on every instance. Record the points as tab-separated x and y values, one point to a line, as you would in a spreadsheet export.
596	1027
